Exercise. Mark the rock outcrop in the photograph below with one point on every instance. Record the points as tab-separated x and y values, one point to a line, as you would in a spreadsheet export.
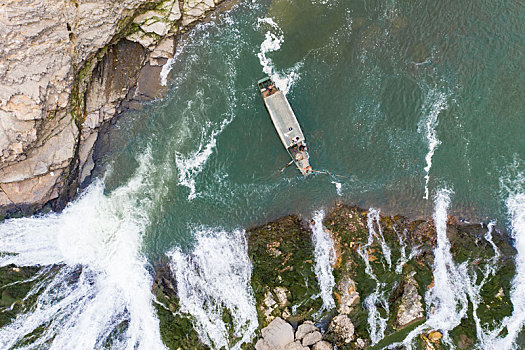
410	307
65	67
276	335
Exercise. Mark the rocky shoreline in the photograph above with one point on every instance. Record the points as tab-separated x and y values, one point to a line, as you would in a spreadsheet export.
66	72
399	251
286	288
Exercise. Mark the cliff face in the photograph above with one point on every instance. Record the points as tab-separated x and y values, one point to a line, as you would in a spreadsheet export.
65	66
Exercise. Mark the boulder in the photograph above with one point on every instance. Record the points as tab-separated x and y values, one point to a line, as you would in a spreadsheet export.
262	345
304	329
312	338
296	345
341	329
322	345
278	333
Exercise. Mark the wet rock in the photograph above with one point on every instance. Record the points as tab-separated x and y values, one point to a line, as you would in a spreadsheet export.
278	334
268	306
410	307
341	330
282	295
311	338
305	328
289	276
322	345
176	328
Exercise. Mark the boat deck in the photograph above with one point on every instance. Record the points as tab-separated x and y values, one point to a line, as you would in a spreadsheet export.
284	119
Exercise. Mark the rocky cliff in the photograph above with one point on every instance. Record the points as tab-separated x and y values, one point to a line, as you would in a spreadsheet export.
65	67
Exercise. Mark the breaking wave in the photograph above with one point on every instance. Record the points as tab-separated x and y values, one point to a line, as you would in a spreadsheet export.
101	292
324	253
191	165
273	39
213	278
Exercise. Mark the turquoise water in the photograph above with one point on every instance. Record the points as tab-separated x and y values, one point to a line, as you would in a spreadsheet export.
382	89
410	107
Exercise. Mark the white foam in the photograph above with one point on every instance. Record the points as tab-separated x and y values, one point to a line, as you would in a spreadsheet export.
377	323
446	301
166	69
325	256
102	280
516	210
338	188
434	103
214	277
191	165
273	39
403	259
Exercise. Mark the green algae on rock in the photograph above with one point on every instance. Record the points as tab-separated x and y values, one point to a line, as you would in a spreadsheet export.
390	256
283	276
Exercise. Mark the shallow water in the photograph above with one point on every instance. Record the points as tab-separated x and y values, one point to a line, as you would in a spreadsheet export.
397	99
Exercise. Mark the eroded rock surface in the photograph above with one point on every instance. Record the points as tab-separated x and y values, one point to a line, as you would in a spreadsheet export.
410	307
54	92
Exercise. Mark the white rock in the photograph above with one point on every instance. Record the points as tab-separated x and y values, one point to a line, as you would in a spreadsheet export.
411	307
281	294
304	329
296	345
278	333
312	338
158	27
322	345
262	345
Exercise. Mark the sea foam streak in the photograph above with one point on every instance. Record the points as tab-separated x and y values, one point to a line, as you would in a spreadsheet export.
214	277
273	40
434	103
191	165
102	282
447	301
324	259
376	322
515	203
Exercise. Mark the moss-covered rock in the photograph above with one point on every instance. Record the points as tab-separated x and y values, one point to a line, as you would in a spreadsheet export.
176	329
283	270
15	284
